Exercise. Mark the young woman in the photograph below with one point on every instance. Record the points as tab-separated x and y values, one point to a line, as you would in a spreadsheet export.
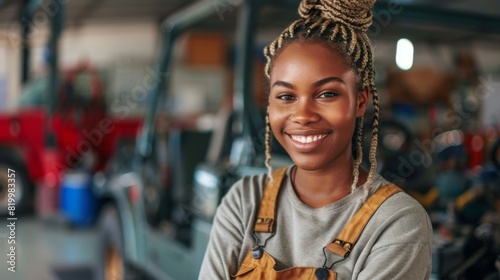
324	217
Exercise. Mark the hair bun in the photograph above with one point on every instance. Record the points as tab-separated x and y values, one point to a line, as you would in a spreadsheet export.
356	14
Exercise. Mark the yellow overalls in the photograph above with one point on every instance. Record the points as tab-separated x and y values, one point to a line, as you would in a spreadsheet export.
260	265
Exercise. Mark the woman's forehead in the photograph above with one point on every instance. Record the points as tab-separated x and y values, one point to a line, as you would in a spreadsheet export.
298	59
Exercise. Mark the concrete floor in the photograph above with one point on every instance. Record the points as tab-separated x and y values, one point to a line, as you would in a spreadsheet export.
42	249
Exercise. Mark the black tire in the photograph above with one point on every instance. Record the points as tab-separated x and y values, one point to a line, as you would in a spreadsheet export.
12	165
111	262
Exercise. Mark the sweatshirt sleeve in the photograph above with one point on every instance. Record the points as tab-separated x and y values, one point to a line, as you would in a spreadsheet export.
402	245
226	237
398	261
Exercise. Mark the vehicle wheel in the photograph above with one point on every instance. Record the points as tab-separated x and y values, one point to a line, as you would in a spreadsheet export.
10	163
111	263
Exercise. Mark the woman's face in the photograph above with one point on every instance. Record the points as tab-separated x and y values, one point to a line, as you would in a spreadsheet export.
314	103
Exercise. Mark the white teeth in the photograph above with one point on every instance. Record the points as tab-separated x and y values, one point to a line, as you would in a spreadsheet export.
307	139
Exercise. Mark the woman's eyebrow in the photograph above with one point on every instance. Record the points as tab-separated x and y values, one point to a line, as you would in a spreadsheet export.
283	84
316	84
328	80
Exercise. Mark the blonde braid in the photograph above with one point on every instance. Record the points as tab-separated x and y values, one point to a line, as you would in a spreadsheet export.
268	147
357	57
353	44
335	32
374	142
324	26
356	14
344	34
314	25
270	50
364	44
268	57
293	26
359	156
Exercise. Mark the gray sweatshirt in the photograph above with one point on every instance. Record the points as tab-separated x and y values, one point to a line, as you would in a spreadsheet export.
395	244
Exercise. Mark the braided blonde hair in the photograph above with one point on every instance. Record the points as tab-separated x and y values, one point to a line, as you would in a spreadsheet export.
341	24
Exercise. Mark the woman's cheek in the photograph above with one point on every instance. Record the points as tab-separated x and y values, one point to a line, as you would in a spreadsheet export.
276	122
276	117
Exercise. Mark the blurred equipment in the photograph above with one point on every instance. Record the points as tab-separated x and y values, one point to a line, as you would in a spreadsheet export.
59	124
462	199
77	200
465	217
406	87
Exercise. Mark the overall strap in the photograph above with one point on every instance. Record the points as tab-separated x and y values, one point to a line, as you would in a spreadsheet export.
267	211
344	243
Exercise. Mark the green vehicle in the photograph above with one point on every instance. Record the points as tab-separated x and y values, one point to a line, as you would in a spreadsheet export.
152	230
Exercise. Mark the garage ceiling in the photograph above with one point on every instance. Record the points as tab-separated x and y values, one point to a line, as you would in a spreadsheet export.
83	11
483	7
426	20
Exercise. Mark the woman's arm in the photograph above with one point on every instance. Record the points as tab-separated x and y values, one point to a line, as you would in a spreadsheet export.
226	237
401	248
398	261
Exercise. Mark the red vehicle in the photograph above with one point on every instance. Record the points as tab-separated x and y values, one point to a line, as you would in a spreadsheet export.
21	150
39	146
66	125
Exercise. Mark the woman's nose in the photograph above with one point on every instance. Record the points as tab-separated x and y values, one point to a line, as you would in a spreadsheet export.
304	113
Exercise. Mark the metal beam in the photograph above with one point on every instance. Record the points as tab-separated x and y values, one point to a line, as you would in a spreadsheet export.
5	3
87	10
31	6
196	13
56	27
437	16
244	98
434	13
25	19
171	28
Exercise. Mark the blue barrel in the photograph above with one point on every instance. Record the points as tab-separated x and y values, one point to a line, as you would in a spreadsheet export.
77	201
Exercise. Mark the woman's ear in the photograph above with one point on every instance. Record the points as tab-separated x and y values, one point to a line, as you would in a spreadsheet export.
363	99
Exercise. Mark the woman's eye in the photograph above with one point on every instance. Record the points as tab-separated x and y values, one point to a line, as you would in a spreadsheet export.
285	97
329	94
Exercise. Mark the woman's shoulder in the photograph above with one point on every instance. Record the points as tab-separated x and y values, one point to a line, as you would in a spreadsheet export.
400	200
248	184
404	215
243	198
251	186
248	189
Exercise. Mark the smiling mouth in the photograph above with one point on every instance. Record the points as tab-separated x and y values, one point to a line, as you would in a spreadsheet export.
305	139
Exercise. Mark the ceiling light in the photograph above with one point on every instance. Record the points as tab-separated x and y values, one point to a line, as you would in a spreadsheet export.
404	54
